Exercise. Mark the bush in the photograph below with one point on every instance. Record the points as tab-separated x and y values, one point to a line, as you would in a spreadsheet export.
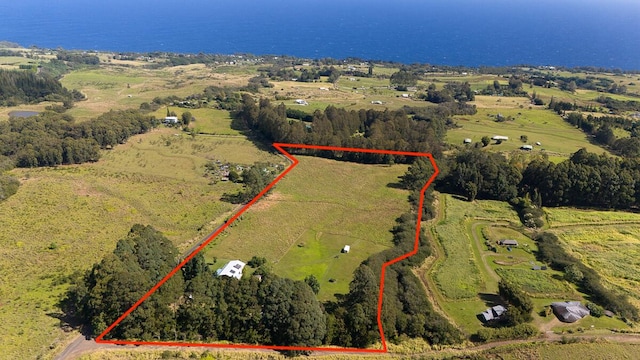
521	331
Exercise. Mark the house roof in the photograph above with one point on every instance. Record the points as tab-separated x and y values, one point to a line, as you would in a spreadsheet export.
232	269
569	311
509	242
498	310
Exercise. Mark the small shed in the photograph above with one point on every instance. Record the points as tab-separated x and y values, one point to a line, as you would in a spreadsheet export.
301	102
538	143
500	138
526	147
346	249
467	141
508	242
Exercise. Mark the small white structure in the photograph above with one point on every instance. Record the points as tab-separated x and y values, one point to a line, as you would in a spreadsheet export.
538	143
301	102
467	141
500	138
232	269
346	249
377	102
170	120
405	95
526	147
324	89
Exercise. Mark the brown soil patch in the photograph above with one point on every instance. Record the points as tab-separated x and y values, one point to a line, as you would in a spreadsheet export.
268	200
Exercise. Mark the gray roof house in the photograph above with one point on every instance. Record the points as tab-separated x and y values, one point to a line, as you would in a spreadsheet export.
492	313
508	242
569	311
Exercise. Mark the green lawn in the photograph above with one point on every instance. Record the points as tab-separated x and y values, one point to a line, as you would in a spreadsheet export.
311	214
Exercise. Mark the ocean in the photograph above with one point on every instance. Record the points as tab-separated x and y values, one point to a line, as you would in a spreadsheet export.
449	32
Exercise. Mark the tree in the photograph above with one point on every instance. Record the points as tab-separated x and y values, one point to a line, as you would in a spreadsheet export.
187	118
403	79
573	274
313	283
572	87
485	140
524	138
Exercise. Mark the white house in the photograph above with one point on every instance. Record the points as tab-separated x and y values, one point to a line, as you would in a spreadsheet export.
232	269
171	120
526	147
346	249
500	138
301	102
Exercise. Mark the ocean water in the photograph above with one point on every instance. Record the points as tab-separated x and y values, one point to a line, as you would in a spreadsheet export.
452	32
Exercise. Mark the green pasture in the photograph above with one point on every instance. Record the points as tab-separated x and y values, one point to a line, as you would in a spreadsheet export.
561	216
314	211
208	121
458	276
612	250
539	125
14	62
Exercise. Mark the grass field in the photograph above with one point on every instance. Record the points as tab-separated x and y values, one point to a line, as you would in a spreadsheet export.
311	214
539	125
571	216
119	87
613	250
66	218
458	276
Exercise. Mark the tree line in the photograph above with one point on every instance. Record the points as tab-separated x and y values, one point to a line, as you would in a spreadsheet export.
334	126
50	139
24	86
585	179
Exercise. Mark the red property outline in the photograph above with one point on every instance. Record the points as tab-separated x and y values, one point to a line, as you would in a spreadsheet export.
294	163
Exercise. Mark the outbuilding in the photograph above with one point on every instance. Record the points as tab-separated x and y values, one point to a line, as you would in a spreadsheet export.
346	249
467	141
508	242
526	147
500	138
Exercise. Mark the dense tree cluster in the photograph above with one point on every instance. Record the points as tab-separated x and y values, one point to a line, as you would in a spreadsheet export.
340	127
451	92
50	139
601	128
586	179
519	304
403	79
20	86
474	173
514	88
618	106
78	58
551	251
254	179
194	304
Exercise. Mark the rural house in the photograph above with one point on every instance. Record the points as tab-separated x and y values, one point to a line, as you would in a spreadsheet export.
508	242
569	311
232	269
170	120
492	313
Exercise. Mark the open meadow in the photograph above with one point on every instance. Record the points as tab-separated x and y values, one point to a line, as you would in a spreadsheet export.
311	214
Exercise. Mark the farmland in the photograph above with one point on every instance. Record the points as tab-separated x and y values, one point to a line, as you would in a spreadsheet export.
311	214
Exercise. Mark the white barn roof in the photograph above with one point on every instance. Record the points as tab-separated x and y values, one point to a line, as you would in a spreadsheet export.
232	269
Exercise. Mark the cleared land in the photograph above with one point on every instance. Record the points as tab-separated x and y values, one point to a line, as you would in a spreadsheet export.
302	226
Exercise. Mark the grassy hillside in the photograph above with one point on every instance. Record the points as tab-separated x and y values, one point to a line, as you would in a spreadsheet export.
311	214
66	218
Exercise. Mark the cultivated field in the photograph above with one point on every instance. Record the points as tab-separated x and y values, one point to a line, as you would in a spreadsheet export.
311	214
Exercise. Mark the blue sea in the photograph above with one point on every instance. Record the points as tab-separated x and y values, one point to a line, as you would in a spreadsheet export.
451	32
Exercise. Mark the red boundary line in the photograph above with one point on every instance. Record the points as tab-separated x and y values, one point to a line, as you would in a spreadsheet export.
294	162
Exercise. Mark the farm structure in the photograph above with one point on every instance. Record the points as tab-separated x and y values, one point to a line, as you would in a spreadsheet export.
346	249
569	311
170	120
492	313
232	269
500	138
508	242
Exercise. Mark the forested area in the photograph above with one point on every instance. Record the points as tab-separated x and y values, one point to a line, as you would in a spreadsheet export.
369	129
23	86
585	179
50	139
